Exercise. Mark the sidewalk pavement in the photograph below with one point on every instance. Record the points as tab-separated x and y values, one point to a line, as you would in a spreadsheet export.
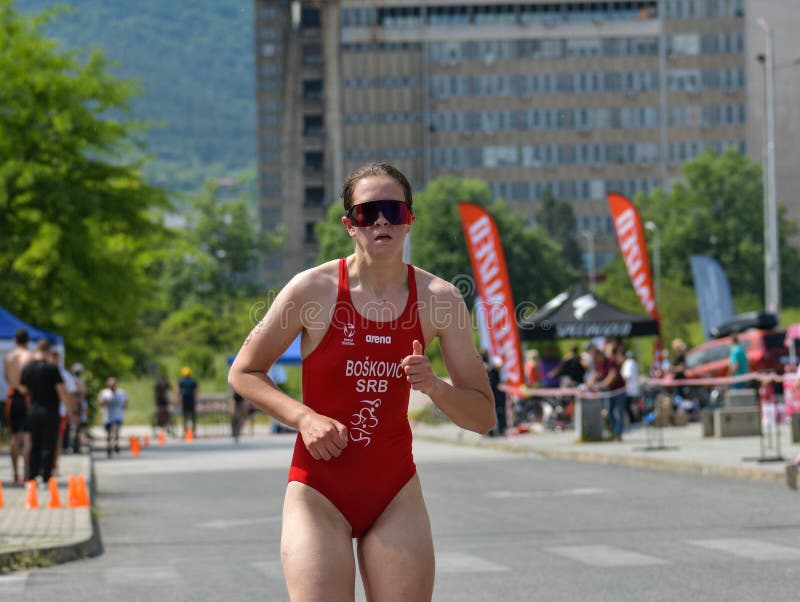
43	535
684	449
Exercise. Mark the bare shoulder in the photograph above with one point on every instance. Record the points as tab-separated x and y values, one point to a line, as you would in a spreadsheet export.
441	306
305	300
431	288
314	283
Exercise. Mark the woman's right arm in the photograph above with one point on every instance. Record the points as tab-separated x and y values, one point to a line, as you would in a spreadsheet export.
324	437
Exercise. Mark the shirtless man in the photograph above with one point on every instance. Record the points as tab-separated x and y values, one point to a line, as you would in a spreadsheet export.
365	322
17	404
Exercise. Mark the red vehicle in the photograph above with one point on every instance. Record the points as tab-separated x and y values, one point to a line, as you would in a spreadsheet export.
764	349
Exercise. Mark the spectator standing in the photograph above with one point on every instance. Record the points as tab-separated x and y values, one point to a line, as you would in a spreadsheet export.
65	410
550	363
114	402
570	369
161	392
81	413
493	367
738	362
17	410
677	364
630	374
587	361
188	390
532	370
45	386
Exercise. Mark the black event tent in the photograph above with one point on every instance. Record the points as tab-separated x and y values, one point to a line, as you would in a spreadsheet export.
580	314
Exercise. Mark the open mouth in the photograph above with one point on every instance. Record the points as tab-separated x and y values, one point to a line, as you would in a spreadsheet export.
383	237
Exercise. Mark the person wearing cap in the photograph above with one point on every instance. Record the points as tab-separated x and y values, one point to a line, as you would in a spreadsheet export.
114	401
188	390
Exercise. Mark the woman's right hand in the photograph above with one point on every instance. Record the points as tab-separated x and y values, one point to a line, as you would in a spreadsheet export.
324	437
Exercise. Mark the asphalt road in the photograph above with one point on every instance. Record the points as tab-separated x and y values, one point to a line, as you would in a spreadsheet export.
201	521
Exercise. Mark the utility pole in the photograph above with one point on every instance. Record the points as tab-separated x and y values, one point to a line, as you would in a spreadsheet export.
772	266
656	258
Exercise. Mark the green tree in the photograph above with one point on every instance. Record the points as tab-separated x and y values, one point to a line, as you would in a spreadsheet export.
333	238
717	210
556	217
677	306
79	227
536	269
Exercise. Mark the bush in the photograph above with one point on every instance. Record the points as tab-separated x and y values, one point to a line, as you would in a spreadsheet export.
201	360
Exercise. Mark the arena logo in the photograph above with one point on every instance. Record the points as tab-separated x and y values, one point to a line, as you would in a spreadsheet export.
374	338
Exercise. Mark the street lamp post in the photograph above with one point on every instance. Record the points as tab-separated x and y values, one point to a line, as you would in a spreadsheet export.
656	258
772	266
589	234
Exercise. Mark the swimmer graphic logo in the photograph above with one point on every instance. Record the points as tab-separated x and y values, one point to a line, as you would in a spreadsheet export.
364	422
349	331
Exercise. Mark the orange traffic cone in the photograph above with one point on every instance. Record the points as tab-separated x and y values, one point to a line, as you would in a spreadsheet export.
146	440
83	493
31	497
1	494
135	446
189	434
162	438
73	499
55	499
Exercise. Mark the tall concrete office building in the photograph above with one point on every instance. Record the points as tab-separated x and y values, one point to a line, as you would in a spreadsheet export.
576	98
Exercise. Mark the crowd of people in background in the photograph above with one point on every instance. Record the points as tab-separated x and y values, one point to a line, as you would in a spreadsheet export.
46	410
596	366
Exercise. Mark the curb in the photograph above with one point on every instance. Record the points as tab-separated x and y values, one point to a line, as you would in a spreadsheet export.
48	554
749	473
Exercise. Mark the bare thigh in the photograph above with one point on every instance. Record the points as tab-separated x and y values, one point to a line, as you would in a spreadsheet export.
316	548
396	555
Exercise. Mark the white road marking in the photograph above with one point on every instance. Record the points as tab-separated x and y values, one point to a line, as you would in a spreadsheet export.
138	575
606	556
457	562
749	548
13	583
541	494
271	568
240	522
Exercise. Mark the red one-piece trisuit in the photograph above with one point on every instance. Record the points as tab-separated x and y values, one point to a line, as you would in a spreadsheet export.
354	376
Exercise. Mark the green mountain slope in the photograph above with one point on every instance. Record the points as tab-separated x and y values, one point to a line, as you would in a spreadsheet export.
194	61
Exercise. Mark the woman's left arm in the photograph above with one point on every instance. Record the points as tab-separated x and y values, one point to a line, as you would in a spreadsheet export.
468	401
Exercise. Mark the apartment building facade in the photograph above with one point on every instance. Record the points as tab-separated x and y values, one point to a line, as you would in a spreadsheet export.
532	96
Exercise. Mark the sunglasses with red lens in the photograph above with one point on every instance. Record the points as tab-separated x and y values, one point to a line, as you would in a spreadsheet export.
366	214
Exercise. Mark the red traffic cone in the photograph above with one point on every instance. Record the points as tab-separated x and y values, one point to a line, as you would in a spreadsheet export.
83	493
73	498
135	449
31	496
55	498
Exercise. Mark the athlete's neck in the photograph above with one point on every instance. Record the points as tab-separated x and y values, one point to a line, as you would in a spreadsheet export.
379	277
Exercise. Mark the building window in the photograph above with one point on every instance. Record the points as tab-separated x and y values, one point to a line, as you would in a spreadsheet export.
309	18
310	233
313	161
312	54
314	196
313	125
312	89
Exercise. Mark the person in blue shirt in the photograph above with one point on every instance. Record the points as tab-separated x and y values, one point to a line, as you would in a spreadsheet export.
188	390
737	361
